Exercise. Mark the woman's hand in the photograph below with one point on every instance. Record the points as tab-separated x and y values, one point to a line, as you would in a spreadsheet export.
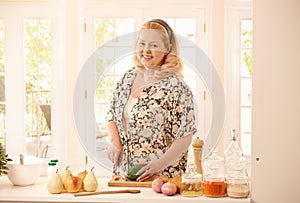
115	149
115	155
173	154
150	170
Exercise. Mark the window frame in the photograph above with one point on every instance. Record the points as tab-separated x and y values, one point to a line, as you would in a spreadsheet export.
235	12
139	12
15	103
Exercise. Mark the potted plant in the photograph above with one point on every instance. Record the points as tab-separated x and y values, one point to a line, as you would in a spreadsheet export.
3	161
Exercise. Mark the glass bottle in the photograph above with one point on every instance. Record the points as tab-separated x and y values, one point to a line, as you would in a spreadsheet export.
191	182
213	176
236	168
51	169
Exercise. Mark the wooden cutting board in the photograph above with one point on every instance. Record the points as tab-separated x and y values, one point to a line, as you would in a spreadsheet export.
118	181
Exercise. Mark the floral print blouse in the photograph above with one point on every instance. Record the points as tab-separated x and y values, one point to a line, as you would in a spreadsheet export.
163	113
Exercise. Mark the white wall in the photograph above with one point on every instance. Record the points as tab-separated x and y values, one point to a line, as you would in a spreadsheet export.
72	153
276	101
218	47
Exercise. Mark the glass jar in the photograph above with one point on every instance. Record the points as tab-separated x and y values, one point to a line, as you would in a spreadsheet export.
213	176
238	188
235	162
214	187
191	182
236	169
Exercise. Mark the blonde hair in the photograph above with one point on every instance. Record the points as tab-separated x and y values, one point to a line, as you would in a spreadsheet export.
172	62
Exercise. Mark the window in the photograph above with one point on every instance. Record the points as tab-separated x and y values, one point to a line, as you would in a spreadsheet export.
103	24
32	63
37	42
2	84
246	85
106	29
239	72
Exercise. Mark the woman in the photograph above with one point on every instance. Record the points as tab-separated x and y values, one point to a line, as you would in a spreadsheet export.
151	119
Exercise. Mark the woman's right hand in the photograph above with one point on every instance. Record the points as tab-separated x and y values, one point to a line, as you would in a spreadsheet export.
115	155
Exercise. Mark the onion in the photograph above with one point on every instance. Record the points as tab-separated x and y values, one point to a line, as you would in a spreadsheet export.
157	184
169	189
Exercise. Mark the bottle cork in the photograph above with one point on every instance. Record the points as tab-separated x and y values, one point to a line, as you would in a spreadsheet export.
197	148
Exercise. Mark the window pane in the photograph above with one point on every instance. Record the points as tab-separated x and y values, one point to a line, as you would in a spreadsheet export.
246	63
2	88
246	143
246	48
30	31
246	119
44	33
2	67
246	91
31	61
37	50
185	27
2	84
246	37
246	84
2	124
106	29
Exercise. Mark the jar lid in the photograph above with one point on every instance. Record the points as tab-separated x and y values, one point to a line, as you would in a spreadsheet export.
54	160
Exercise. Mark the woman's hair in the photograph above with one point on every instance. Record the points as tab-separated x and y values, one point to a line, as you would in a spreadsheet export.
172	62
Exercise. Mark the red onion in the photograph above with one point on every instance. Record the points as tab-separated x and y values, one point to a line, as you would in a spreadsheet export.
157	184
169	189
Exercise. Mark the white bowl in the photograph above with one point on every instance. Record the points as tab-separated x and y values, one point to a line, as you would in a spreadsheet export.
26	174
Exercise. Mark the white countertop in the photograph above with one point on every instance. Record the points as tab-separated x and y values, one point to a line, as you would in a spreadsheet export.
38	193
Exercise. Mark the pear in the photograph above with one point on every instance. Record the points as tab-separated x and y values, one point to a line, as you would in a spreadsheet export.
82	175
90	183
72	183
55	184
65	173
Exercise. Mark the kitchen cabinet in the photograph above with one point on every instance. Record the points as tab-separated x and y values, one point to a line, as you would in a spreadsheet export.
38	193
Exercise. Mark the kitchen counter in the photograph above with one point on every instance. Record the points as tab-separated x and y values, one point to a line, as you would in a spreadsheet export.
38	193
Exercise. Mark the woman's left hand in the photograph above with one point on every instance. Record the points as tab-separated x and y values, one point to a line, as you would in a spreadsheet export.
150	170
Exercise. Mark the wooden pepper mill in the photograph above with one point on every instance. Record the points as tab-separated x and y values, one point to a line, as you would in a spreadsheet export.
197	148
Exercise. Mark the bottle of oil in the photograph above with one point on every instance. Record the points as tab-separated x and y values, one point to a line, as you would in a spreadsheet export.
236	169
191	182
213	175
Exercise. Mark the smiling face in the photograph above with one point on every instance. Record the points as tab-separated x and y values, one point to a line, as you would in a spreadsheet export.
151	48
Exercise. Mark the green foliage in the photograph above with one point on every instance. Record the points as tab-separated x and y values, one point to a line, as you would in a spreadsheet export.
103	31
248	61
2	55
37	33
3	161
247	43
